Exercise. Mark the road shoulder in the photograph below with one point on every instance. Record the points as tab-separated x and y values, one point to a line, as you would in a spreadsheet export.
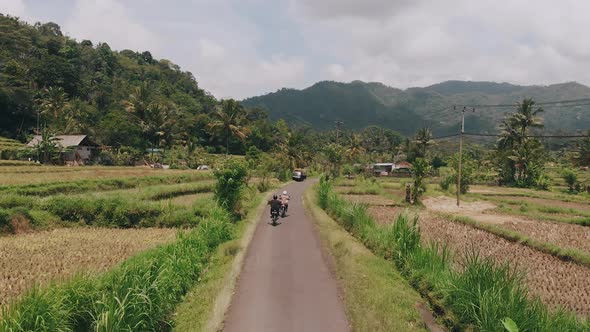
204	308
376	297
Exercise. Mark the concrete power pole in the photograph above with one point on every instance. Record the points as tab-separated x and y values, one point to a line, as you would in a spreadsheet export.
461	152
338	124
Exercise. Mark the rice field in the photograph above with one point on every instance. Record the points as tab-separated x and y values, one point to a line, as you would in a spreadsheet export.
549	219
59	222
56	255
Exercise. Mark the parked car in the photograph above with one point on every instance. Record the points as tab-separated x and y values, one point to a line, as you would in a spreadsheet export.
203	168
299	174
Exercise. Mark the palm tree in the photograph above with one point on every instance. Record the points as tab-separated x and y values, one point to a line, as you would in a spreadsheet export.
293	148
139	100
355	147
229	118
526	116
516	126
160	119
53	102
423	138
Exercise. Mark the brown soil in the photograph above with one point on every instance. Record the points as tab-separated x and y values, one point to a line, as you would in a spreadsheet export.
556	282
385	214
369	199
40	257
564	235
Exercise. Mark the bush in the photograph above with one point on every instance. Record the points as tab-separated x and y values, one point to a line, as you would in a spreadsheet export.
571	179
231	179
420	169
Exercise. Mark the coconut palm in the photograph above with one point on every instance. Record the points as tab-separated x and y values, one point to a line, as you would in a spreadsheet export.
355	147
139	100
423	139
53	102
229	118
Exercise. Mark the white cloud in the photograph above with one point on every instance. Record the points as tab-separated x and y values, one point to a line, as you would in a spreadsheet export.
14	8
335	70
241	48
109	21
522	41
210	49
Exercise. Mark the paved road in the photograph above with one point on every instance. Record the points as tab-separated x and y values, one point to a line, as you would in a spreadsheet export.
285	284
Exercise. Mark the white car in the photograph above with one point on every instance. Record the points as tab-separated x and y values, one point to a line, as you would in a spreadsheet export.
203	168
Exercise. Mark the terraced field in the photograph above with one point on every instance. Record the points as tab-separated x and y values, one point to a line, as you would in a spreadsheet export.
56	222
41	257
559	283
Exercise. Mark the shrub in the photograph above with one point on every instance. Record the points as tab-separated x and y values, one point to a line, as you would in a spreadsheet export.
571	179
230	181
420	169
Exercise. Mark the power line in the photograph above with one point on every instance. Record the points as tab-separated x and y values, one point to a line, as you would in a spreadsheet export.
447	136
554	102
528	136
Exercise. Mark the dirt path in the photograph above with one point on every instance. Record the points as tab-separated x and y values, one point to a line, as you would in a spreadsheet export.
285	284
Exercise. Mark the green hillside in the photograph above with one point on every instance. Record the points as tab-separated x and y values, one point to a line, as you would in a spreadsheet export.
79	87
359	104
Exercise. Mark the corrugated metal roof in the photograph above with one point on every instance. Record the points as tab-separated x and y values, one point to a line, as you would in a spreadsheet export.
62	140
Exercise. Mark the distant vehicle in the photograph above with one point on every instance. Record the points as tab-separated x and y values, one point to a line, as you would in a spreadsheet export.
583	168
299	174
203	168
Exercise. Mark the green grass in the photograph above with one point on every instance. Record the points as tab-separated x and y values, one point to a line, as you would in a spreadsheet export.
139	295
369	282
540	211
82	186
477	297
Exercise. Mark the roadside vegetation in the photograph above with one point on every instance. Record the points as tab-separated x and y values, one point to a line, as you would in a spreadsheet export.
140	286
369	282
480	294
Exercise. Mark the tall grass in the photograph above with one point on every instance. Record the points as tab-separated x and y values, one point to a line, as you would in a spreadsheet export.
139	295
477	296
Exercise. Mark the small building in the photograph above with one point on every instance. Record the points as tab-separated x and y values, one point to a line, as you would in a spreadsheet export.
383	169
75	148
403	165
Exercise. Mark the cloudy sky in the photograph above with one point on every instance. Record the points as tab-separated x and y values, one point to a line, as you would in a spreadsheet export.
240	48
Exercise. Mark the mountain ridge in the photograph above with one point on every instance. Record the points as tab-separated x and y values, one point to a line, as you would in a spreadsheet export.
324	102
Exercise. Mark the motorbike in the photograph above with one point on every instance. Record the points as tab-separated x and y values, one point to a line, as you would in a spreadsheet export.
283	211
274	217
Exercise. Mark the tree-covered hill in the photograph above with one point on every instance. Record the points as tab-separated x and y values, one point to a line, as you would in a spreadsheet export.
120	98
359	104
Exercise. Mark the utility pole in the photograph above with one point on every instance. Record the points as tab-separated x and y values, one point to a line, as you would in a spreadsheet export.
460	155
338	124
461	151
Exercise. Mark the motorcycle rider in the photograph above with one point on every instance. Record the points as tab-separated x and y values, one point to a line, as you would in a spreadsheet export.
285	200
275	204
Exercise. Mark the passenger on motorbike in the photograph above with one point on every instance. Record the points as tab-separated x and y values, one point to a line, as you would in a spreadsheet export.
285	200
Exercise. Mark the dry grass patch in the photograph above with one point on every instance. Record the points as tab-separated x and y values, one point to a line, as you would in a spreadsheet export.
558	283
38	258
189	200
62	173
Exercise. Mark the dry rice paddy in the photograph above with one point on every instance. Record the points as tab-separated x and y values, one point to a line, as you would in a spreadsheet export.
41	257
20	175
556	282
